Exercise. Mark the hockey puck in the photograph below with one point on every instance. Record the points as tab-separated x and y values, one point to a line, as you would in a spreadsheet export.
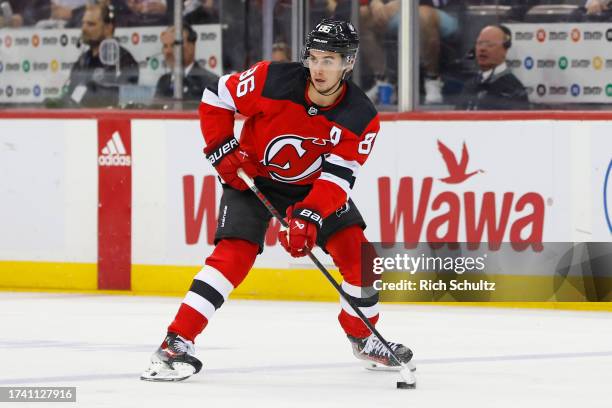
405	386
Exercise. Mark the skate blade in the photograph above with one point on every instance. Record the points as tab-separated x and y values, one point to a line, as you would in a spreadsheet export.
163	373
373	366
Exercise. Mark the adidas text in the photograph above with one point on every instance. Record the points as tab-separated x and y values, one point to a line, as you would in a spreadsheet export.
114	160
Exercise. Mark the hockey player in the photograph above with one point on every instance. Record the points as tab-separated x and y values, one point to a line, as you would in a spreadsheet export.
308	132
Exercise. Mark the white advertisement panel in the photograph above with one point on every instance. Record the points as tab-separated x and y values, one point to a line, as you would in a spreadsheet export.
458	181
176	198
35	63
478	181
48	190
601	181
563	62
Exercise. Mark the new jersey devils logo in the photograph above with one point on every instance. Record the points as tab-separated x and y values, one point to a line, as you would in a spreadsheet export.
292	158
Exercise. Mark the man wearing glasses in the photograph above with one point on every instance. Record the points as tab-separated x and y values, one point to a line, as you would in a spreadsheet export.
495	87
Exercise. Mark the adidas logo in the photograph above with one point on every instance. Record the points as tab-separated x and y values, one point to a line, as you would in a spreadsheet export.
114	153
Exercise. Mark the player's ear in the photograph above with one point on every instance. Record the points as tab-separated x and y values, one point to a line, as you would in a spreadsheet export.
349	62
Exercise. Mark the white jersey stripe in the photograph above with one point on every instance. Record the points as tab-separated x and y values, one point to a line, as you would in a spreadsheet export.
342	183
203	306
358	291
368	312
352	165
223	99
215	279
210	98
224	93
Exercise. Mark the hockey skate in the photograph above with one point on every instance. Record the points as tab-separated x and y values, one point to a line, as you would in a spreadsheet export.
173	361
376	356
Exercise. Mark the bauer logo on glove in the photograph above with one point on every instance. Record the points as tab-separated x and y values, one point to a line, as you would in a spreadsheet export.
215	157
227	158
301	235
311	216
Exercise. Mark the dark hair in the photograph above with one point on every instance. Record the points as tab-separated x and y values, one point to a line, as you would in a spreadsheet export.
507	36
107	11
192	36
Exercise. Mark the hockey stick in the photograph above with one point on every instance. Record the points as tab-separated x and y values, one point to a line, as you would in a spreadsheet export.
406	371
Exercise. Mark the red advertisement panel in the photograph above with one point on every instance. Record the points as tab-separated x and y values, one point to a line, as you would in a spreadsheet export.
114	204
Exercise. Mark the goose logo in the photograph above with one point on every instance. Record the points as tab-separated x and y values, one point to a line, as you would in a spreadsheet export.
474	214
291	158
607	196
457	170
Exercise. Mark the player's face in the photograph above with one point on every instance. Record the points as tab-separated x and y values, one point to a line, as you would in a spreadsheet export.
325	69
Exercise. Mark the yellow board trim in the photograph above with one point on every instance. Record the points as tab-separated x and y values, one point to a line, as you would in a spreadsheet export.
48	275
261	284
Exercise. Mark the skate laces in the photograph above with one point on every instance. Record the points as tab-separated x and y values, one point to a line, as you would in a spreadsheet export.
180	345
375	346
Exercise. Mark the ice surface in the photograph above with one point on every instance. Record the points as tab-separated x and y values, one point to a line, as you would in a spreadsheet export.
290	354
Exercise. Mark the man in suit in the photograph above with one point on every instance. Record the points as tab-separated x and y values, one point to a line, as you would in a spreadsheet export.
495	87
195	79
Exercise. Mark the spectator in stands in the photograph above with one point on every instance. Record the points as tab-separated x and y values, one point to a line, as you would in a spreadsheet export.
597	7
196	77
91	82
241	27
63	12
438	21
148	12
123	15
372	32
200	12
281	52
495	87
62	9
23	13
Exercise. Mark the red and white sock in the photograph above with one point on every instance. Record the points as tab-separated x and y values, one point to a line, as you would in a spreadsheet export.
225	269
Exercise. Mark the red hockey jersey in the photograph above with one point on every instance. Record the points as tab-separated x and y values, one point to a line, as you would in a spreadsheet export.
294	140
